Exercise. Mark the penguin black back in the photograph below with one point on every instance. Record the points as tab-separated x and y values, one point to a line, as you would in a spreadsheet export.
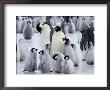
54	56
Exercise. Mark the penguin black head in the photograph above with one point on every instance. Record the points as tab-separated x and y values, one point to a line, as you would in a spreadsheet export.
33	49
66	57
83	18
41	52
47	46
55	56
66	41
23	19
38	28
72	45
77	16
28	22
57	28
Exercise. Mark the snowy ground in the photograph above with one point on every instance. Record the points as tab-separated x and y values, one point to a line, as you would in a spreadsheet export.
82	69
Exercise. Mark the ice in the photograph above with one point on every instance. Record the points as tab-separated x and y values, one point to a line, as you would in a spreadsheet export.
35	42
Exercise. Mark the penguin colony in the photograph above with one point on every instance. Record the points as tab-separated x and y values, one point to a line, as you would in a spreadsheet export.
58	53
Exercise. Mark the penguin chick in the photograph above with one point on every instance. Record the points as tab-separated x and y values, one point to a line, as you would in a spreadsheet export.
31	61
58	58
28	33
68	50
45	62
67	65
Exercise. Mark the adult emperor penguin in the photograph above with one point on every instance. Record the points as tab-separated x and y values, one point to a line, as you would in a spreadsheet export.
17	26
67	65
22	25
28	33
45	65
17	53
57	44
44	30
31	61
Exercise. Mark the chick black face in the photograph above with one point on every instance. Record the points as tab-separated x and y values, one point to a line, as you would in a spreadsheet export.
55	56
33	49
47	46
28	22
38	28
66	57
41	52
57	28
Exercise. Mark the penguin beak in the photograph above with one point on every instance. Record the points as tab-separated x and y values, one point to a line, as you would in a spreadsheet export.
63	39
36	49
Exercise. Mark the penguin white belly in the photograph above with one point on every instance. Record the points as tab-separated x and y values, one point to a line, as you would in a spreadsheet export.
68	67
58	67
77	54
52	22
45	38
90	55
57	42
30	63
69	51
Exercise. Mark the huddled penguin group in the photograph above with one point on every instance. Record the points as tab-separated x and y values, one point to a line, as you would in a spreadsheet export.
58	52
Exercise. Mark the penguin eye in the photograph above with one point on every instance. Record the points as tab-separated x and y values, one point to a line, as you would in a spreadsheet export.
36	49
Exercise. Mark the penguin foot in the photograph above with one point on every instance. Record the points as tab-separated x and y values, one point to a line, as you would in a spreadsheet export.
90	63
75	65
27	38
24	70
57	72
83	59
51	71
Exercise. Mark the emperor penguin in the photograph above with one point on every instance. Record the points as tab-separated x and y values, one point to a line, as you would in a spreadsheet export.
45	65
58	59
79	23
17	26
22	49
68	50
90	55
85	23
17	53
57	44
28	33
22	25
67	65
77	53
31	61
72	28
44	30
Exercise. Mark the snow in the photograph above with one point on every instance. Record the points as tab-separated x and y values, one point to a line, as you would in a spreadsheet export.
83	68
